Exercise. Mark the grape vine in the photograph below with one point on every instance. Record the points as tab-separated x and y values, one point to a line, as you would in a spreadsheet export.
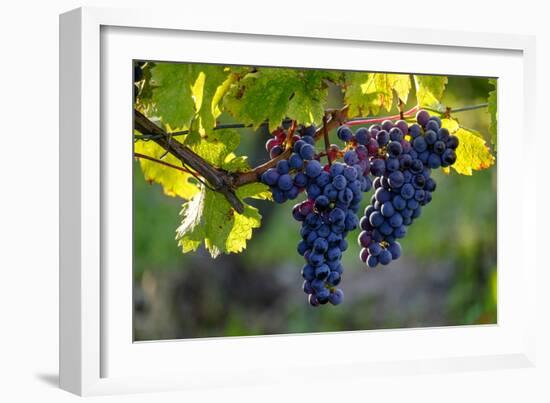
392	156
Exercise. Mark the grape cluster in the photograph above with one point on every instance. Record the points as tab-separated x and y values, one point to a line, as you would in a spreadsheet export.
403	183
327	216
399	157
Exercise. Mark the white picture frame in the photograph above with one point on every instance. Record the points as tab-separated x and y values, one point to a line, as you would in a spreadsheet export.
97	353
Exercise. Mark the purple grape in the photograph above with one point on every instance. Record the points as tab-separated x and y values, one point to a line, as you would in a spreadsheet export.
422	117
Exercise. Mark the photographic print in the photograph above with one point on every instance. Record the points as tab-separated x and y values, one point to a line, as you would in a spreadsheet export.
277	200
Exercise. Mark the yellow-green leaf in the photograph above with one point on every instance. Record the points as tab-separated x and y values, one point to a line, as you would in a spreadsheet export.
183	92
209	218
367	93
275	93
307	104
255	190
207	92
216	147
450	124
429	90
401	84
173	181
472	152
172	95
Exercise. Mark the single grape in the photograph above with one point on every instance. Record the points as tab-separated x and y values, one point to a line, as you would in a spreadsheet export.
422	117
362	136
276	151
285	182
336	297
385	257
307	152
344	133
295	161
313	168
383	137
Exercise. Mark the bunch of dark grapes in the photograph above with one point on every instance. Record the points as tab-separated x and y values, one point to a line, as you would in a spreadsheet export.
327	216
329	213
400	158
403	183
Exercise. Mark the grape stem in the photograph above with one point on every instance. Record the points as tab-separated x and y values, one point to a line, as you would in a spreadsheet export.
327	142
290	133
401	106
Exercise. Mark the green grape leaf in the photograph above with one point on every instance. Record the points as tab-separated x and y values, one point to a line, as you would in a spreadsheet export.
306	106
214	148
183	92
367	93
217	99
209	218
274	93
401	84
217	149
232	163
173	182
429	90
472	152
492	101
255	190
208	90
172	93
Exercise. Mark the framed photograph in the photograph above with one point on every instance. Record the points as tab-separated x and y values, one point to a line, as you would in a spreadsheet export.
238	209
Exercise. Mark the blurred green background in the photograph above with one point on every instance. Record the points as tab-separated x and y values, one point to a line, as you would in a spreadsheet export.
445	277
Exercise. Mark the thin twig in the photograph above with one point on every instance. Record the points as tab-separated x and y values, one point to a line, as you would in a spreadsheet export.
455	110
167	164
146	157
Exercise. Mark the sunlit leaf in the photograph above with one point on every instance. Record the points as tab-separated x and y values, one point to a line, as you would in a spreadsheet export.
209	218
216	147
172	93
184	92
173	182
401	84
472	152
368	93
429	90
273	94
